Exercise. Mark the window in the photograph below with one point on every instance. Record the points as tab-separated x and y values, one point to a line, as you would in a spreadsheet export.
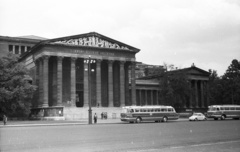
28	48
237	108
16	49
232	108
22	49
164	110
136	110
226	108
10	48
170	110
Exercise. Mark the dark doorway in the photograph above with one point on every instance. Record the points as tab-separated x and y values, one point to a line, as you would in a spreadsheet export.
79	99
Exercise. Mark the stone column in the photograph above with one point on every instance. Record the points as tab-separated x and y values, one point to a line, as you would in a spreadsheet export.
133	85
190	98
110	83
196	93
99	83
40	89
37	62
207	94
25	49
122	84
157	97
146	101
59	80
73	82
45	81
152	97
85	84
13	51
202	97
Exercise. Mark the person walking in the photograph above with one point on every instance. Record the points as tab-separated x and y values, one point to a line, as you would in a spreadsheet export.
4	119
95	118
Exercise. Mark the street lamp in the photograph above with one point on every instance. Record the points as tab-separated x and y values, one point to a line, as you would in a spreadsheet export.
89	61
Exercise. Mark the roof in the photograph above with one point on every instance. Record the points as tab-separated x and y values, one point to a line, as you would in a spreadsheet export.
32	37
189	71
91	39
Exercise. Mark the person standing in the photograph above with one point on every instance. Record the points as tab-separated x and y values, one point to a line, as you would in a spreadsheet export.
95	118
4	119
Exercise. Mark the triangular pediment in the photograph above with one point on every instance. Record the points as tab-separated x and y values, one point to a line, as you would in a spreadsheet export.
92	39
197	71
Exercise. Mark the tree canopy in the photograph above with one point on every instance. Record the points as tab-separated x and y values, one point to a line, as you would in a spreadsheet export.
16	90
226	89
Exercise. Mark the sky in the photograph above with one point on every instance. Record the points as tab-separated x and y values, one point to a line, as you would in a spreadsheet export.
178	32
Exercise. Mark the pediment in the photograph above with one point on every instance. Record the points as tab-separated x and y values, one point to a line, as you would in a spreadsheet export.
92	40
197	71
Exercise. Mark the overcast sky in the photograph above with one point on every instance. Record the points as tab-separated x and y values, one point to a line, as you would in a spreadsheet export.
178	32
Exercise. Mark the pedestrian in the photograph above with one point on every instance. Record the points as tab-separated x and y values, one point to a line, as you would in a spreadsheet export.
95	118
102	115
4	119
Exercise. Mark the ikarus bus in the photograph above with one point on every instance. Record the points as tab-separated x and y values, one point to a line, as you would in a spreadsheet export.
223	111
148	113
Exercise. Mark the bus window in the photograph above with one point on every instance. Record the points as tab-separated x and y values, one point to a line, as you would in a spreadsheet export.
152	110
141	110
218	109
232	108
226	108
164	110
131	110
237	108
170	110
144	110
136	110
221	108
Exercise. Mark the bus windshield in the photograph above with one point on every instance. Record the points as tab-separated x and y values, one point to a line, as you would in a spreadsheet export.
213	109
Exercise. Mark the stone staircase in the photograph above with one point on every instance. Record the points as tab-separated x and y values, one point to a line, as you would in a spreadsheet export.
74	113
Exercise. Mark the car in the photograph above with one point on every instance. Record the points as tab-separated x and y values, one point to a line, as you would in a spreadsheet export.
197	116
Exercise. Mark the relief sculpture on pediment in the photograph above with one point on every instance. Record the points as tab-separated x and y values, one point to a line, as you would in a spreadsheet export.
92	41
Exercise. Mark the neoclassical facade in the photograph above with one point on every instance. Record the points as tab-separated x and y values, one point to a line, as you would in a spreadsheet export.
198	98
71	71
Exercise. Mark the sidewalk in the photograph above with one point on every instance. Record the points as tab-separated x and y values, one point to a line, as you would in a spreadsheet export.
32	123
25	123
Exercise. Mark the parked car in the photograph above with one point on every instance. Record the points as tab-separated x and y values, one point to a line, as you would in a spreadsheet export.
197	116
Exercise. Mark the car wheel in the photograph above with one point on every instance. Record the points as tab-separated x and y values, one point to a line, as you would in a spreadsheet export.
164	119
138	120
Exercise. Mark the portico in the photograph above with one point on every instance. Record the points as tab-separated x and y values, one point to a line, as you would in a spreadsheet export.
61	72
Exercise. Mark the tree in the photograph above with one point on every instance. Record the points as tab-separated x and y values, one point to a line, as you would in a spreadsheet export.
174	87
225	89
15	90
232	83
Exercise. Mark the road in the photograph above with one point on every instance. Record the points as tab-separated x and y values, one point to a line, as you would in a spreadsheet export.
172	136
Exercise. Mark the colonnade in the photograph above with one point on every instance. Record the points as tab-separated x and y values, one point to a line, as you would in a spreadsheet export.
147	97
199	94
42	80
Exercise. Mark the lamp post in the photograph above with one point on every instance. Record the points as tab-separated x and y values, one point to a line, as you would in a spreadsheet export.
89	61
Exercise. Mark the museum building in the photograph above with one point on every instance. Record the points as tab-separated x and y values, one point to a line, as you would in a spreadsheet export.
76	72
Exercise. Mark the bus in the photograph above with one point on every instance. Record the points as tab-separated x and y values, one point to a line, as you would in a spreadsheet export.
223	111
138	114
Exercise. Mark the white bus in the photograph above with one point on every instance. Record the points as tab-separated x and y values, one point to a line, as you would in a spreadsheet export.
148	113
223	111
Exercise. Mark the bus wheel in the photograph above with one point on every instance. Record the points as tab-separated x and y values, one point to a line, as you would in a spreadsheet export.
215	118
138	120
223	117
164	119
